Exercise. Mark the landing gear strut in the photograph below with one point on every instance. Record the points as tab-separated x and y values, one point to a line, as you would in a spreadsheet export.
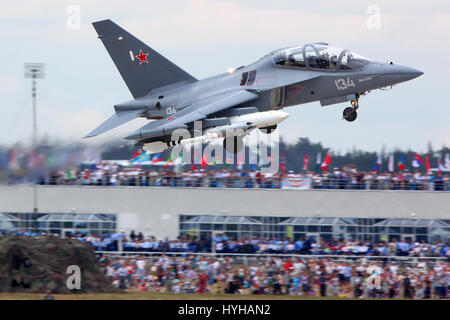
269	129
350	113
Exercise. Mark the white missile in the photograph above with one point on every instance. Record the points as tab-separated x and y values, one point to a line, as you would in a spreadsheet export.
262	119
239	126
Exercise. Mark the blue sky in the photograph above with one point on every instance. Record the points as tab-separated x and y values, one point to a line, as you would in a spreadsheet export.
206	38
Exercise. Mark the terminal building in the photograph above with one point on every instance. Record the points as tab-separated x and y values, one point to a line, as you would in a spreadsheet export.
240	213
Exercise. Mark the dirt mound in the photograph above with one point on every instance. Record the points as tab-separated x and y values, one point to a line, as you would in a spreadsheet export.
40	265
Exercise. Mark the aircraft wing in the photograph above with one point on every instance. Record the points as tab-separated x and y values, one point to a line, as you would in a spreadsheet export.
196	111
115	120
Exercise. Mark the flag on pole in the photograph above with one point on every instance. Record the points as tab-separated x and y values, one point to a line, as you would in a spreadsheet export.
193	166
306	162
136	155
427	163
439	163
417	162
204	162
318	160
139	156
240	161
157	158
326	162
391	163
168	161
401	163
377	164
13	160
35	160
447	161
283	164
31	160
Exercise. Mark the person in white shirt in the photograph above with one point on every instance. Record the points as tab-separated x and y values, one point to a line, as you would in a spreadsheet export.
393	268
122	272
140	265
363	249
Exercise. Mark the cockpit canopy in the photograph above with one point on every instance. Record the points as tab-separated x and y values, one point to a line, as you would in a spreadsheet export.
319	56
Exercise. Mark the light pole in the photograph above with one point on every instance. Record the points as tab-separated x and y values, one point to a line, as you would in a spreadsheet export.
34	71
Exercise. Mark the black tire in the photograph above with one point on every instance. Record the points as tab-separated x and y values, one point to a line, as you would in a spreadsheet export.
350	114
233	144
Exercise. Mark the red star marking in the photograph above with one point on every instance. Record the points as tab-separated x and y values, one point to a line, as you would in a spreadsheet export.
142	57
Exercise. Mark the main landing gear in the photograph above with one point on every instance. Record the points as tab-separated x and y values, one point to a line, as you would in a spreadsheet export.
350	113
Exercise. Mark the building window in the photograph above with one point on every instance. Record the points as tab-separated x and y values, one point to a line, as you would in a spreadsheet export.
294	227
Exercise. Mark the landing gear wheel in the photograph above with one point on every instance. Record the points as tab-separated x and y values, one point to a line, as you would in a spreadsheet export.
350	114
269	129
233	144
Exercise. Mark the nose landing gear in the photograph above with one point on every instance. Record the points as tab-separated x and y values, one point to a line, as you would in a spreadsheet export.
350	113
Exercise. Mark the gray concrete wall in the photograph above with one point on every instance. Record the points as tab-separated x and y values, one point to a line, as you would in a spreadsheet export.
155	210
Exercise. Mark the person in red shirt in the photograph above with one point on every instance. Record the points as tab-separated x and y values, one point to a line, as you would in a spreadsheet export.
202	279
288	266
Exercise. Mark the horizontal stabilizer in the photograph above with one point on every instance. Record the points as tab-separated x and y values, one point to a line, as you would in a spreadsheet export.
114	121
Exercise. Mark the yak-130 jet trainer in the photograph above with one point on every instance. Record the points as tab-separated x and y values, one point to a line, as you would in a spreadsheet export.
246	98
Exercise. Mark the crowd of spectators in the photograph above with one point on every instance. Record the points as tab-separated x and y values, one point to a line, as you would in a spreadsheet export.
280	276
364	276
106	174
224	244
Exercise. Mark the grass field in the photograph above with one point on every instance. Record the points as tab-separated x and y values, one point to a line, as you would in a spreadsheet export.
133	295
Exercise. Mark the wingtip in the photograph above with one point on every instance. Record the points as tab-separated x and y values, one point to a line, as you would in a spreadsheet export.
90	134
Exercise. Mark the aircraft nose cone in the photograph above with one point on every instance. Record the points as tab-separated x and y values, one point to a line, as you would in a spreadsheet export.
411	73
395	73
404	73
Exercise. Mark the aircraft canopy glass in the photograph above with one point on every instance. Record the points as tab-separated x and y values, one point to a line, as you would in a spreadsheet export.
319	56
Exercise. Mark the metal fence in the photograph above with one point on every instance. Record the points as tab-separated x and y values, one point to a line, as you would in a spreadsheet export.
275	182
243	258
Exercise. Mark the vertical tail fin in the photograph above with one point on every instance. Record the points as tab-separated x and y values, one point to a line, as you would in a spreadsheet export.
141	67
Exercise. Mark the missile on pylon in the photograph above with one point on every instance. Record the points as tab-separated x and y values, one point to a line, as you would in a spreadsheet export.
238	126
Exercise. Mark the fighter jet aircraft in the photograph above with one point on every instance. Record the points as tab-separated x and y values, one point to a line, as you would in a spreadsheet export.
246	98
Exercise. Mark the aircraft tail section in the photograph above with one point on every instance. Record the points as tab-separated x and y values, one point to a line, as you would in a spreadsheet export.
141	67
